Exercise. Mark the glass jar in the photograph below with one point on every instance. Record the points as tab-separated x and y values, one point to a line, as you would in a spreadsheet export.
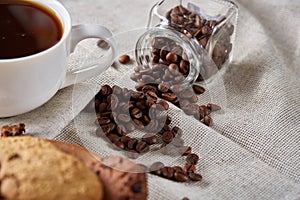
193	38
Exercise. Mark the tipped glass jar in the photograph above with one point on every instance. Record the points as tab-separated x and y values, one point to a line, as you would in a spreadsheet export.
187	41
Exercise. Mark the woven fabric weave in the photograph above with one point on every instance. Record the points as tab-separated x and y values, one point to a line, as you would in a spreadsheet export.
253	149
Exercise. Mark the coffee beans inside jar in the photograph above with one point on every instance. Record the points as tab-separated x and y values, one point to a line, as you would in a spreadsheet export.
211	36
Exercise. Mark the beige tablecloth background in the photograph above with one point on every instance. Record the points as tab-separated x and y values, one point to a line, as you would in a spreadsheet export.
253	149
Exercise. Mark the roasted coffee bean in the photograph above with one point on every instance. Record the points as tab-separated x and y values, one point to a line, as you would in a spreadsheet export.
203	111
198	89
125	139
102	44
180	177
150	138
103	121
105	90
113	137
185	198
142	147
108	128
167	172
131	144
172	57
164	104
124	59
121	130
119	145
102	107
169	96
188	167
194	176
207	120
167	136
136	113
192	158
163	87
213	107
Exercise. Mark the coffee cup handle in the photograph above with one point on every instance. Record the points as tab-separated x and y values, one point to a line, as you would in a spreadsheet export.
84	31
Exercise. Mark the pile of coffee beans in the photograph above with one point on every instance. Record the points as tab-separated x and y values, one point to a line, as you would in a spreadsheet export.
121	111
166	52
14	130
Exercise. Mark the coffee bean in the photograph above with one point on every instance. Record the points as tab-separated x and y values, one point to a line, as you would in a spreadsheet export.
167	136
125	139
132	143
192	158
188	167
142	147
194	176
119	145
198	89
164	104
167	172
124	59
136	113
180	177
213	107
172	57
169	96
163	87
207	120
103	121
113	137
105	90
102	44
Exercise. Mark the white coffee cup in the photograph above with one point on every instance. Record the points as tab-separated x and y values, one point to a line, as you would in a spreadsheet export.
28	82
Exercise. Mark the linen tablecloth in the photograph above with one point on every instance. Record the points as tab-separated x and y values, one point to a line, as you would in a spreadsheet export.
253	149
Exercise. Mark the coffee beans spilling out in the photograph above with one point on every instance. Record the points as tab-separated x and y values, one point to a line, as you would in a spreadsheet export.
167	52
121	111
14	130
184	98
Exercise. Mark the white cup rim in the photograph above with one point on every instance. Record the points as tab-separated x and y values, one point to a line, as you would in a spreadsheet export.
65	19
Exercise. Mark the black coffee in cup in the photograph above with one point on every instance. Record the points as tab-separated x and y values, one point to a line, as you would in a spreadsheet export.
27	28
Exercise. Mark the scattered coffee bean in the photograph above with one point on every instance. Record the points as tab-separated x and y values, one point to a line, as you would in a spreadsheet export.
180	177
192	158
167	172
188	167
14	130
102	44
142	147
194	176
198	89
213	107
124	59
